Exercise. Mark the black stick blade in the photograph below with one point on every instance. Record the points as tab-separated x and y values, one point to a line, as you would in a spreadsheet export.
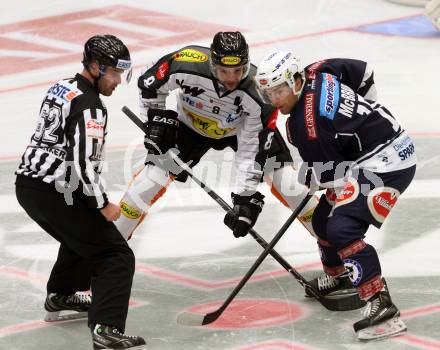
193	320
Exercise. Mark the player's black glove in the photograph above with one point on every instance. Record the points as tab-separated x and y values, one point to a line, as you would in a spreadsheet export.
244	214
160	130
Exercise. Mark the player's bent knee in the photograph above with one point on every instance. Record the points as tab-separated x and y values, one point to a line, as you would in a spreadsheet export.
320	218
147	186
344	229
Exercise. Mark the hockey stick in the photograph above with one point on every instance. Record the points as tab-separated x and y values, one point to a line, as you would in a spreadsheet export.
191	319
328	303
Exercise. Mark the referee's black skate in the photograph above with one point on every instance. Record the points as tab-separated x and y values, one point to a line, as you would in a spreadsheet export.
66	307
339	288
381	319
108	337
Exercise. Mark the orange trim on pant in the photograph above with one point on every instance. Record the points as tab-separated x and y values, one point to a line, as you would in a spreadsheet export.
278	196
159	194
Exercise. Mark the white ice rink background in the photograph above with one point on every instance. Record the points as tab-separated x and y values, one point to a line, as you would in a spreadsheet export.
398	41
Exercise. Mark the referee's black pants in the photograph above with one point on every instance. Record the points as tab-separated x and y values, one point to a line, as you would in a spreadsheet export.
92	254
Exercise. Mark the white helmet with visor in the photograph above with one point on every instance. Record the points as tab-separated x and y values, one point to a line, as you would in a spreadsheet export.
277	68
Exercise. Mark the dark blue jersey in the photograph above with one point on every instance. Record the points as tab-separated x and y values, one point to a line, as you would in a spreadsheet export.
333	127
356	74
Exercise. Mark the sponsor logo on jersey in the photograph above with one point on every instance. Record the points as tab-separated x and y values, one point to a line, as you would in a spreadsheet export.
162	71
192	103
230	60
380	202
63	92
129	212
194	91
404	148
329	96
232	117
95	124
348	193
348	98
95	129
407	152
208	126
71	95
190	55
309	116
354	270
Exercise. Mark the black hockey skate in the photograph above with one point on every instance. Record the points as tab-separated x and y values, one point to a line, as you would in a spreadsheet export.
339	288
381	319
66	307
108	337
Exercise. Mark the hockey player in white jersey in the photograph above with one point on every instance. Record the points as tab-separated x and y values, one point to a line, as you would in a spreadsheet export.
217	107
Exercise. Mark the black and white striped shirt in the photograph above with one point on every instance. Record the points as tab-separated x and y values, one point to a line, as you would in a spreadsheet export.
68	143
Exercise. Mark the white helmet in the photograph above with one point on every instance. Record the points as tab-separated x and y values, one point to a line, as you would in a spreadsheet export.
277	68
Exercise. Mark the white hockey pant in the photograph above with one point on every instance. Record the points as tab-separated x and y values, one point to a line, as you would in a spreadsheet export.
285	186
147	187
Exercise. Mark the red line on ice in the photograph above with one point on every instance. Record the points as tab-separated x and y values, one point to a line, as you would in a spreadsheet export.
206	284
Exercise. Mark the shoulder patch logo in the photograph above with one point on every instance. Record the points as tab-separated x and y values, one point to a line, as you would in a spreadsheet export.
162	71
190	55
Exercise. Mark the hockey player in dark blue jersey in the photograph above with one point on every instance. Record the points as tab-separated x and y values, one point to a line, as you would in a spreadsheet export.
359	76
354	147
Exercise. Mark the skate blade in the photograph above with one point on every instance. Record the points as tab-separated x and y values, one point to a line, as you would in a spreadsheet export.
58	316
388	329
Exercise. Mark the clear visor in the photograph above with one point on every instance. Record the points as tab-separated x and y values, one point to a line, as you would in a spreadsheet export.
275	93
229	71
123	76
